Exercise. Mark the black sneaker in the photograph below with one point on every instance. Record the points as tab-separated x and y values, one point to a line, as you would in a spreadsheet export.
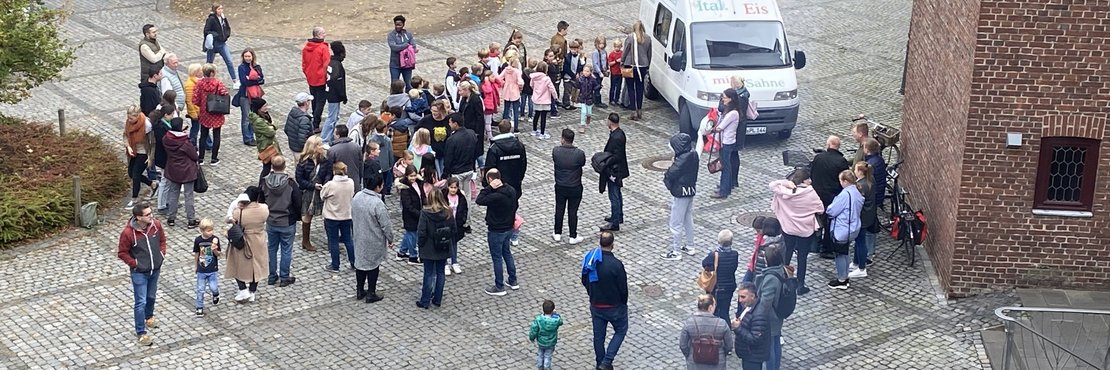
414	261
803	290
373	297
193	224
287	282
837	284
215	299
200	312
611	227
271	281
495	291
401	257
170	223
424	306
214	162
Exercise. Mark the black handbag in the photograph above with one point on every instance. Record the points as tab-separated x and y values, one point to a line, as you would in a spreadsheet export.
218	104
235	235
200	185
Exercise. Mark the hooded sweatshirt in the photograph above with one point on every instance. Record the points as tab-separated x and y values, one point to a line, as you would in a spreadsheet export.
795	208
283	198
181	158
149	97
501	206
543	90
545	330
507	154
142	249
315	57
682	177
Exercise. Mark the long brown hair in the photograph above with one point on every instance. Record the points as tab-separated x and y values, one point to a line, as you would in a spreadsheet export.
368	123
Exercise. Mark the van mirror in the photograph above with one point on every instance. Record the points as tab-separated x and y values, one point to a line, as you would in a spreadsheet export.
678	61
799	59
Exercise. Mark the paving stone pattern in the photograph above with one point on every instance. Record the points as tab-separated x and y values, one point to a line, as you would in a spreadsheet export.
66	300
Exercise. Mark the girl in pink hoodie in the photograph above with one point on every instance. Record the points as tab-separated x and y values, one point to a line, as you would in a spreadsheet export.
491	98
796	206
512	85
543	94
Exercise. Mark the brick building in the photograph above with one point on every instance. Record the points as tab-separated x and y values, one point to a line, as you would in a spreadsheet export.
1032	214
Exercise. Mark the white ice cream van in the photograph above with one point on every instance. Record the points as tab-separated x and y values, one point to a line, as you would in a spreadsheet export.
697	45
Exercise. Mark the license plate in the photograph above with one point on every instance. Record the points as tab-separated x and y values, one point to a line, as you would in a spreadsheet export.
756	131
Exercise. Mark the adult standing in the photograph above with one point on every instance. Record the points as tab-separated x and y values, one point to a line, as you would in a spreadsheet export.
150	53
728	131
337	194
313	171
637	55
860	133
284	198
265	132
136	136
500	200
400	39
298	123
844	225
507	154
744	97
568	160
218	27
825	176
436	124
172	81
865	183
751	326
315	57
142	247
723	261
181	172
435	233
373	236
606	283
613	180
461	151
248	265
681	180
770	285
337	88
470	105
343	149
702	324
252	76
211	123
796	206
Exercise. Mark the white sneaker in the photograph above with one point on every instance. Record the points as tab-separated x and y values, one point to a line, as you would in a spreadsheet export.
130	205
447	270
857	274
252	296
457	268
672	256
242	296
236	85
688	250
556	237
516	242
535	133
575	240
852	266
546	136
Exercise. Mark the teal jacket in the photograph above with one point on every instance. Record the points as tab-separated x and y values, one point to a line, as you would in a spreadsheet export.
545	330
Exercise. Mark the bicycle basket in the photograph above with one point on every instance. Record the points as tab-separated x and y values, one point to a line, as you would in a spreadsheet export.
796	158
886	136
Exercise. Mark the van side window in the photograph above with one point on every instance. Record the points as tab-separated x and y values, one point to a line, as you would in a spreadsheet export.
678	40
662	24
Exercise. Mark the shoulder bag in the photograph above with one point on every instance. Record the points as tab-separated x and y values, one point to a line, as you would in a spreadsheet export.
217	104
267	154
707	280
630	72
705	349
715	165
200	185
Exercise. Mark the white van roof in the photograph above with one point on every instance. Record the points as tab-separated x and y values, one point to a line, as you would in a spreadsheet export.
719	10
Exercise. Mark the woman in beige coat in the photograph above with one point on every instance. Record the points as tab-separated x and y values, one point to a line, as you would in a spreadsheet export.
250	264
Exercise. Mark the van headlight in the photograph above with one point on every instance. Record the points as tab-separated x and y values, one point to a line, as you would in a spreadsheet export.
786	95
709	96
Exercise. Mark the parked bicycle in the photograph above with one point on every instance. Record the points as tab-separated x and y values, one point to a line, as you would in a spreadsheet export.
887	137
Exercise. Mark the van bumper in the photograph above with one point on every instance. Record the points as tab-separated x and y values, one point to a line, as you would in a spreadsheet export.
771	120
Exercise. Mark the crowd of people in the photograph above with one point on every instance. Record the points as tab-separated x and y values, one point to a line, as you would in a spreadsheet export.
433	144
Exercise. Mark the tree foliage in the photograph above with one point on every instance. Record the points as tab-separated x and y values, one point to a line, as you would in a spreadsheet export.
31	51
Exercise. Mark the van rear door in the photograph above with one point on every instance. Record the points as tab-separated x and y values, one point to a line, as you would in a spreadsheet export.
660	50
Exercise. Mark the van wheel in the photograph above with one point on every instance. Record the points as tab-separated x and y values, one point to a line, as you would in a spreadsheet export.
685	122
785	134
649	90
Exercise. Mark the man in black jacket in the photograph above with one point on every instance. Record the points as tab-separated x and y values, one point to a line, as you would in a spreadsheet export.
507	155
681	180
569	161
825	176
336	89
500	200
606	283
459	153
149	95
618	171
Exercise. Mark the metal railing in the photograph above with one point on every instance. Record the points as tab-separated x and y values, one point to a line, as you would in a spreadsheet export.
1055	338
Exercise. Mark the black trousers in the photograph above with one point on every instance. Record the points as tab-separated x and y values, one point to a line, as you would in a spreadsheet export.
319	99
243	285
135	167
367	278
205	134
567	197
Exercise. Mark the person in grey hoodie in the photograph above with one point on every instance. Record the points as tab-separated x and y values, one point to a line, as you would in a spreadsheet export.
770	285
283	197
298	124
373	236
681	180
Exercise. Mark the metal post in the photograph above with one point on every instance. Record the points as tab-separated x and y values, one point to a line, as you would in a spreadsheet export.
1009	345
61	122
77	200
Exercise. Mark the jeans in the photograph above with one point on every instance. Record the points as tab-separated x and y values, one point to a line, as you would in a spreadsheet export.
728	176
512	108
163	192
635	86
775	358
842	266
398	73
616	203
408	244
339	231
543	357
615	82
567	197
135	167
145	286
863	247
210	280
802	246
280	237
319	99
501	253
212	134
173	193
194	132
527	107
682	222
329	125
433	282
454	252
751	365
245	125
723	295
225	53
602	317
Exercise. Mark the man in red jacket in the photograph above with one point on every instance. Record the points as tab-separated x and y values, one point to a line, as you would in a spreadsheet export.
142	246
315	57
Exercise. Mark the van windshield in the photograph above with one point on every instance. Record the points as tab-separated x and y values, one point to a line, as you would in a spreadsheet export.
739	44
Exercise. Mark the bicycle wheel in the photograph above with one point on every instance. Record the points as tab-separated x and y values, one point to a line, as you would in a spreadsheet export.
890	154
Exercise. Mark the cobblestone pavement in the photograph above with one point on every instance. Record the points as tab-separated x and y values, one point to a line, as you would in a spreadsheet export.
66	300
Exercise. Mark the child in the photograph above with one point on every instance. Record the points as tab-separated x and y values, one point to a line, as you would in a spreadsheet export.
380	137
615	77
403	162
421	145
439	92
476	72
587	85
491	99
417	105
543	95
364	108
512	83
411	189
552	71
767	231
419	84
572	66
460	211
545	333
206	250
451	82
493	63
599	61
526	91
399	136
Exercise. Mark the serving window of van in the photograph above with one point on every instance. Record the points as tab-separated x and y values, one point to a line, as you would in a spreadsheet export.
662	24
739	44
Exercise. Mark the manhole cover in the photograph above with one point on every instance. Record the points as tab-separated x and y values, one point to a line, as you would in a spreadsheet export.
659	164
653	291
745	218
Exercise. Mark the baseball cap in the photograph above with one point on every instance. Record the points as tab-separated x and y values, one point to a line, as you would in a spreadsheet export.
302	97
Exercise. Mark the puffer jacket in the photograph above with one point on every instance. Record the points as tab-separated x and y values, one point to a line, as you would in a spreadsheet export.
412	202
869	214
753	342
181	158
682	177
543	90
491	95
298	127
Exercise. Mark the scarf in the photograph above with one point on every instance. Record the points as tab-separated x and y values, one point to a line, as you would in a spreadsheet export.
135	131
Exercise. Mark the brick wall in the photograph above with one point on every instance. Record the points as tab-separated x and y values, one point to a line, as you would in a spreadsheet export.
1041	70
938	87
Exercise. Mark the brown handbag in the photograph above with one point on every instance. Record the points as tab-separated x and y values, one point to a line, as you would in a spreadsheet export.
707	280
715	165
267	154
630	71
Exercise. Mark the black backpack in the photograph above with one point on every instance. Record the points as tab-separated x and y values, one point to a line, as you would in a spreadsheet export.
442	236
788	297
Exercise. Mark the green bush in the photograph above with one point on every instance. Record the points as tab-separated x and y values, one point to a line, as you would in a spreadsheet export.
36	178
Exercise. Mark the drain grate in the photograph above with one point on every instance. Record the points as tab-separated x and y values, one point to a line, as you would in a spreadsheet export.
745	218
658	163
653	291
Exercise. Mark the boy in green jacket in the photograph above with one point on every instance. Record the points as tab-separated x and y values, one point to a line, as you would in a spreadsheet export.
545	332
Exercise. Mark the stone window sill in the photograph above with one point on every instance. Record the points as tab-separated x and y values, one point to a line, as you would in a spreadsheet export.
1061	213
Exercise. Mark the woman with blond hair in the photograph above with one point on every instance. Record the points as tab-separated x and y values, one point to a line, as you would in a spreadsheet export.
313	171
136	136
637	55
337	195
192	110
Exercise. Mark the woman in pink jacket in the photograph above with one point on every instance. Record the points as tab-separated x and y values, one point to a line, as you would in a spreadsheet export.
796	206
543	93
512	84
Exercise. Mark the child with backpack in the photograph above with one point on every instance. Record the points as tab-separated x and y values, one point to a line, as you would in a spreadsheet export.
435	235
545	333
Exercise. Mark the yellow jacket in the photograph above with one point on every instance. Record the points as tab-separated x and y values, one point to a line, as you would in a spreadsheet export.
191	109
